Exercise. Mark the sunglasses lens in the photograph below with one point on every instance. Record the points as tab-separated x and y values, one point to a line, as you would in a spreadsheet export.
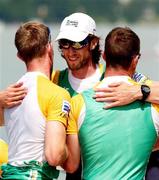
77	45
64	43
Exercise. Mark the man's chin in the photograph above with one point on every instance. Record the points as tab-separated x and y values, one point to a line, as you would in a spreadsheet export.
74	68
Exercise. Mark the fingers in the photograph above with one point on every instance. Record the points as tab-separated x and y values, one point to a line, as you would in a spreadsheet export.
18	87
105	89
115	84
16	97
14	91
103	95
14	100
110	105
20	84
106	99
111	87
14	103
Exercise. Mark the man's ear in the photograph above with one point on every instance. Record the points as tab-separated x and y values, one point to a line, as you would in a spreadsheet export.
94	43
104	55
50	49
134	63
19	56
135	60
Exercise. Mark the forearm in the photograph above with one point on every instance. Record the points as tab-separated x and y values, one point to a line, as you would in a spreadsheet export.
72	162
1	116
63	156
55	143
119	94
2	94
154	95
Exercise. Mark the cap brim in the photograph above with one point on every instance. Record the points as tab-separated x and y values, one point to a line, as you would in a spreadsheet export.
72	35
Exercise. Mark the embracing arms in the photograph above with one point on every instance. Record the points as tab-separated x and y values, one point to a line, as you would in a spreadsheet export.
13	95
118	94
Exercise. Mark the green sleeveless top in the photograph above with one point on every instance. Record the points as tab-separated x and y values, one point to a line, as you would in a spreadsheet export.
64	82
116	143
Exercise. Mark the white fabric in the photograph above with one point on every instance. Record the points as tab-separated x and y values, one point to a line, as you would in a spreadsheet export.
77	27
20	135
79	85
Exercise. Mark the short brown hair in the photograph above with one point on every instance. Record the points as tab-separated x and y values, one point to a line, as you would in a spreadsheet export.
121	44
31	39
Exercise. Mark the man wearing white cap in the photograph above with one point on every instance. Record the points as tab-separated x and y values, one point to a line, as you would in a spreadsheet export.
79	46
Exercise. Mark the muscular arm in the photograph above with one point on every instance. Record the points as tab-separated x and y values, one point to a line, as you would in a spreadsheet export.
72	162
118	94
55	143
154	95
13	95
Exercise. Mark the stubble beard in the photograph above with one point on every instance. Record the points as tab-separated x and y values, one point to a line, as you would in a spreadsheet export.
77	66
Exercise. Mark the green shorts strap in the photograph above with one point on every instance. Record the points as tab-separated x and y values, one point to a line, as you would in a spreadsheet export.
32	170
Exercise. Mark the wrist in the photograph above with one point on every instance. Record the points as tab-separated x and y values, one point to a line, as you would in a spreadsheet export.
145	90
138	94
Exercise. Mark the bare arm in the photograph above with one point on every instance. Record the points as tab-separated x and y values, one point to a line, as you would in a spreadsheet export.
1	116
154	95
72	162
13	95
118	94
55	143
156	147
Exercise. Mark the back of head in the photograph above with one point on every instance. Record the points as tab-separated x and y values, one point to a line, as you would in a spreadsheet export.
31	39
121	45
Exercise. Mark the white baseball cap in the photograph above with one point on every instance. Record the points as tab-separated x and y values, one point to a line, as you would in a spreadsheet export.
77	27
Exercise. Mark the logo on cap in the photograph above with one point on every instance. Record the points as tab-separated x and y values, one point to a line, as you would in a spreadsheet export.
72	23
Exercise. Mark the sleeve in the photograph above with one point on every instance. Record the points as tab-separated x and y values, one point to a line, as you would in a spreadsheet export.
77	103
140	78
59	107
53	100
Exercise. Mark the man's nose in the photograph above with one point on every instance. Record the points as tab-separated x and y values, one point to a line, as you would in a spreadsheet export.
71	49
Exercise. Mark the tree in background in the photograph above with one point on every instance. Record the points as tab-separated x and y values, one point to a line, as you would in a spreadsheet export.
102	10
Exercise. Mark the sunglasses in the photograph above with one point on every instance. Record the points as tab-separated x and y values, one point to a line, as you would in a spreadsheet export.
66	44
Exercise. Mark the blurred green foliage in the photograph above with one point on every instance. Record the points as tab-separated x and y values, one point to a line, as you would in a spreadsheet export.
101	10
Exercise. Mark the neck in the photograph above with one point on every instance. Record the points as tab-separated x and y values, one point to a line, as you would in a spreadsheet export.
41	64
85	71
117	71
